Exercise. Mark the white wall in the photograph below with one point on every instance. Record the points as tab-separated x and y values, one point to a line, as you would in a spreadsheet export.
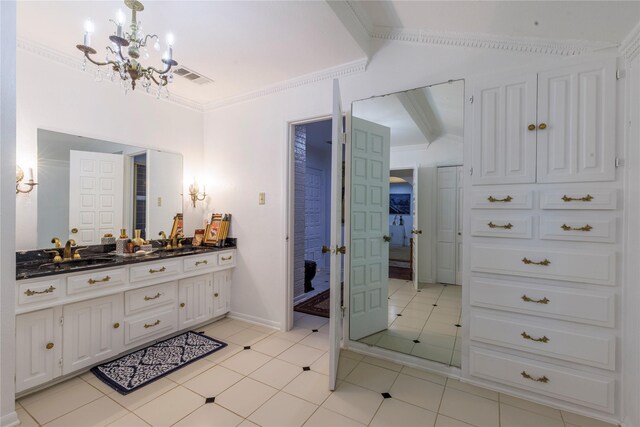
162	168
253	136
60	98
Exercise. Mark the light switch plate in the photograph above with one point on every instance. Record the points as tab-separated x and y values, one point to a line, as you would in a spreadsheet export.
261	198
159	201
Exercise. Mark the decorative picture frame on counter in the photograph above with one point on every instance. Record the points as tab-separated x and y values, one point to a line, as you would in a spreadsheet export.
211	235
177	229
198	237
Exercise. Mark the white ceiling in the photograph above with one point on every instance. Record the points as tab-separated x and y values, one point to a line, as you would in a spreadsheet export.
245	46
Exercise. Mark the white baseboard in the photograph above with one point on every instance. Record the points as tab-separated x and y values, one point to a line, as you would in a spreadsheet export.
255	320
10	419
299	298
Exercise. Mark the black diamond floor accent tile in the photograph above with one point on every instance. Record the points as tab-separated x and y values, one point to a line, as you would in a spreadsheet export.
386	395
247	347
314	330
201	332
419	290
210	399
458	325
435	305
306	368
416	341
398	314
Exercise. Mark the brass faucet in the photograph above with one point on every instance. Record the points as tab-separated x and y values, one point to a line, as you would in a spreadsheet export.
176	241
164	241
67	254
56	241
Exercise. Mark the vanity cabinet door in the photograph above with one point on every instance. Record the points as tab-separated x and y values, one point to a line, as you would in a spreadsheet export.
504	142
92	331
36	349
221	292
194	296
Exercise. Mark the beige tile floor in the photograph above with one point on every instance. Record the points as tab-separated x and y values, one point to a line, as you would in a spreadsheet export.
266	386
429	316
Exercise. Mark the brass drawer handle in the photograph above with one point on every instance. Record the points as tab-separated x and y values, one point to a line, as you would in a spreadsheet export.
156	296
531	127
587	227
227	258
542	379
94	281
526	336
156	323
528	261
544	300
492	199
29	292
49	346
508	226
202	262
586	198
116	325
162	270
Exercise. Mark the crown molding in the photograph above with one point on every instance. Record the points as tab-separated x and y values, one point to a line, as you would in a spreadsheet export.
76	63
343	70
630	46
488	41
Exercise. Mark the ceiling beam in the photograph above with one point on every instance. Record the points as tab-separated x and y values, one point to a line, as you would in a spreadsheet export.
356	22
419	108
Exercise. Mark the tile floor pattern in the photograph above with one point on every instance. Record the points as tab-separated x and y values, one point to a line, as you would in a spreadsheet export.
428	316
267	386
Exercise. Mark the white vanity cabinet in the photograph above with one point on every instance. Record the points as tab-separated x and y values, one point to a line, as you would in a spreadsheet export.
67	323
553	126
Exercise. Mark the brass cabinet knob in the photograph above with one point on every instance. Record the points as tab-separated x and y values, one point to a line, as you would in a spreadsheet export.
386	238
416	231
542	126
74	230
325	249
531	127
182	305
216	295
49	346
116	325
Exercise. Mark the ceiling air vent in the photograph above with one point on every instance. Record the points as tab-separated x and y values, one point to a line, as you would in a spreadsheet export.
192	76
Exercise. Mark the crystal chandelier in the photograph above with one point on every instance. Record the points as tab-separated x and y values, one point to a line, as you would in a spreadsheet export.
135	42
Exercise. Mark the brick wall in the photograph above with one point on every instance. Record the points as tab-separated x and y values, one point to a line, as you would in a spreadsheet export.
300	158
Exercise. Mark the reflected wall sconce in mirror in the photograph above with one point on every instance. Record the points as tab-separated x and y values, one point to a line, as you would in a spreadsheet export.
195	194
20	176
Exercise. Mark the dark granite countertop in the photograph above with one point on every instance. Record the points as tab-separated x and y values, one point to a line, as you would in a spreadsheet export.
37	263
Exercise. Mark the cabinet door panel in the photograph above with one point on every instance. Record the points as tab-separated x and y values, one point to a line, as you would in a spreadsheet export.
35	362
503	146
577	105
195	299
221	292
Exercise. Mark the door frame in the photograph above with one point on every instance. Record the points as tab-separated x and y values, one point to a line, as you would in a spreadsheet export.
289	213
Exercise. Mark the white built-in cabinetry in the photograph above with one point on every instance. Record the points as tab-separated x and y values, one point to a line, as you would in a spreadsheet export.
67	323
544	220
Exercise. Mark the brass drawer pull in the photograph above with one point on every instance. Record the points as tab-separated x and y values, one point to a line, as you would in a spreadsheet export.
227	258
49	346
492	199
528	261
162	270
156	296
94	281
526	336
156	323
544	300
587	227
542	379
29	292
508	226
586	198
202	262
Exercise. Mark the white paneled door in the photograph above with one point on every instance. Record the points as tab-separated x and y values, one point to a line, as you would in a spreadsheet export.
416	232
95	195
446	234
369	261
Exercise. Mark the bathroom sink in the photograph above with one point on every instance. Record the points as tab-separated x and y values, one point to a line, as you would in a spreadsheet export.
76	263
185	250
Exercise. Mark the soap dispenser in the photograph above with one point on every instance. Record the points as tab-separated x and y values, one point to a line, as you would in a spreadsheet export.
121	243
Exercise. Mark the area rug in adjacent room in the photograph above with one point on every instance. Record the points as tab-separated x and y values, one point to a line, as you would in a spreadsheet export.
317	305
144	366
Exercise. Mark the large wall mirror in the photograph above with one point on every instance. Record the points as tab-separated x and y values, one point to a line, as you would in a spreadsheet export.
88	188
406	229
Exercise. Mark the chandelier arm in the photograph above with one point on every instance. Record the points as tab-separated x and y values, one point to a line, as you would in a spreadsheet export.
164	81
143	43
166	70
100	64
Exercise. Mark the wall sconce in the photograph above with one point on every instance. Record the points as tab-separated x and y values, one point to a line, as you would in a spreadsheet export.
20	176
194	193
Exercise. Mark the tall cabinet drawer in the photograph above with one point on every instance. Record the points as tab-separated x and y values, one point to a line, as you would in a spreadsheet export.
502	199
582	388
573	266
579	199
601	230
516	227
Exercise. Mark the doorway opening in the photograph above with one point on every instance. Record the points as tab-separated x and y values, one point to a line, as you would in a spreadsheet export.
140	193
401	224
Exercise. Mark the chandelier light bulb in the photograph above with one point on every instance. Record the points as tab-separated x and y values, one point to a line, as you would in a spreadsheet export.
120	18
89	26
170	39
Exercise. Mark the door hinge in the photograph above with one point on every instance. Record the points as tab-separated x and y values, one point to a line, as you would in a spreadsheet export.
61	320
470	171
343	310
60	362
343	138
471	100
619	162
619	74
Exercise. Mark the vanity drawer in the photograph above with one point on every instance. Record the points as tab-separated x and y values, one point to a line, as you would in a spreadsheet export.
501	226
573	266
555	340
34	292
200	262
227	258
154	270
566	304
578	199
150	297
96	280
161	321
578	229
502	199
582	388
